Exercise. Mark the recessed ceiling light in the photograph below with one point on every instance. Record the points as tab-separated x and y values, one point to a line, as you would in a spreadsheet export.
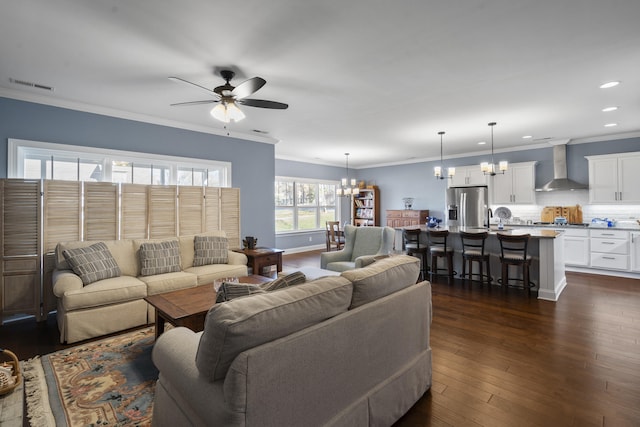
606	110
482	142
527	137
608	85
610	125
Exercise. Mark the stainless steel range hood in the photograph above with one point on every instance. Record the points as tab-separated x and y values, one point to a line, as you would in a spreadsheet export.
560	182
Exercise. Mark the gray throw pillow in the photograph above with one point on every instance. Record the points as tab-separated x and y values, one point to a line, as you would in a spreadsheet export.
228	291
159	257
291	279
92	263
210	250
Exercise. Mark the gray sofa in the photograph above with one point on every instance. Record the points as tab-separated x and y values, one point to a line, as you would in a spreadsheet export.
347	350
117	303
362	245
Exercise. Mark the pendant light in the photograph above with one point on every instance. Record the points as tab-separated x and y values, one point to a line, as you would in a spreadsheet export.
437	171
347	187
490	168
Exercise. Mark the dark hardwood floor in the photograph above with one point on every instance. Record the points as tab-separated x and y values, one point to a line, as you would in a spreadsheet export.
501	358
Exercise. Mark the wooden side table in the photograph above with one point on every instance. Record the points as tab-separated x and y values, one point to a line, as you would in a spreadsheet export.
259	258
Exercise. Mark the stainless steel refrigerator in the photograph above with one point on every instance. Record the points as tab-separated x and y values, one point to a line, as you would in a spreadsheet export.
468	206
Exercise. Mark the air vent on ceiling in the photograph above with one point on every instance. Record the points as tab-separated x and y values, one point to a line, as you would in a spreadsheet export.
31	84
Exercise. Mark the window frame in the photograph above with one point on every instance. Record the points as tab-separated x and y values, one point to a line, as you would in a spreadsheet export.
317	206
19	149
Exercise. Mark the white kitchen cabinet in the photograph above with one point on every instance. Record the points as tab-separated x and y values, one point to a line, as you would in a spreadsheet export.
609	249
467	176
635	251
576	247
613	178
517	185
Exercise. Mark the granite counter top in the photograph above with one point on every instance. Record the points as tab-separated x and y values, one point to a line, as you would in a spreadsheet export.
534	232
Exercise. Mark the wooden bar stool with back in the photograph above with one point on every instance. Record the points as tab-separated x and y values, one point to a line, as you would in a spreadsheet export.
473	250
439	248
413	247
513	252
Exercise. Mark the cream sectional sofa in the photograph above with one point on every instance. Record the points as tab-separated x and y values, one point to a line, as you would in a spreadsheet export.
116	303
342	350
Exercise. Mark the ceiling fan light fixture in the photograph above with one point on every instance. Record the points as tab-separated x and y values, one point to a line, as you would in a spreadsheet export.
219	112
234	112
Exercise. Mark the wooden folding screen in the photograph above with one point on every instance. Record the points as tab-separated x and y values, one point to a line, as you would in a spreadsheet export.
37	215
20	278
191	210
162	211
135	211
101	211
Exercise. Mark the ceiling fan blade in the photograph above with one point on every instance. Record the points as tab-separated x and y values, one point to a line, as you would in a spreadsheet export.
209	91
261	103
184	104
248	87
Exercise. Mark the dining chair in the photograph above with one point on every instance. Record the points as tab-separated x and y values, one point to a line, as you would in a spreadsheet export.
335	236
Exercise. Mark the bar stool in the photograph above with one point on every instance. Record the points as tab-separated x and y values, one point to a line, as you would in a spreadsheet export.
412	247
439	249
513	251
473	250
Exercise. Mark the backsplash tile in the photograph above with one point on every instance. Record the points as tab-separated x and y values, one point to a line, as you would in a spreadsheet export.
571	198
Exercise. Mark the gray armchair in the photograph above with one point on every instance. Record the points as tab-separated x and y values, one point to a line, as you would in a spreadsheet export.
361	246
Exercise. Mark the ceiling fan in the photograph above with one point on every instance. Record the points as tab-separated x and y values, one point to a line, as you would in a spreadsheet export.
228	97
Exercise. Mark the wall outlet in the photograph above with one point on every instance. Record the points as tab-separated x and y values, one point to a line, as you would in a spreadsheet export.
310	238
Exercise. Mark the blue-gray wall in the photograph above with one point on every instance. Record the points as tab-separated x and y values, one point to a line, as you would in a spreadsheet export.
253	167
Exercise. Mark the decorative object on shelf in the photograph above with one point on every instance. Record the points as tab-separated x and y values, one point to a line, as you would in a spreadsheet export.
348	187
490	168
250	242
437	171
408	202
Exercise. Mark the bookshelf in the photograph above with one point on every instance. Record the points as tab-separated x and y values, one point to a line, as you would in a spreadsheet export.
366	207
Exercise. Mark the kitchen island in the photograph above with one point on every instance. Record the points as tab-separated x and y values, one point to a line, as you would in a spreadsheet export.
546	248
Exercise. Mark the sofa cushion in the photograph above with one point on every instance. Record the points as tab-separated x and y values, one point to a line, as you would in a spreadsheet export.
92	263
187	246
244	323
228	291
210	250
122	250
382	278
114	290
284	281
208	273
167	282
159	257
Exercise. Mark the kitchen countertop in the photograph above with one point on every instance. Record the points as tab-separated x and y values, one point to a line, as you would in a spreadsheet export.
626	227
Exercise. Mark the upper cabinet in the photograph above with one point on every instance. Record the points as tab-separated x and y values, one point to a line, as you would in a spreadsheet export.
467	176
517	185
613	178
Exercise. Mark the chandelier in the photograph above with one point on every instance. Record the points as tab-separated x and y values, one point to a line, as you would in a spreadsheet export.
348	187
437	171
490	168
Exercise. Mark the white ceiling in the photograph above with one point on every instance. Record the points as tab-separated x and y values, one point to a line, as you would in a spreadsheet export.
375	78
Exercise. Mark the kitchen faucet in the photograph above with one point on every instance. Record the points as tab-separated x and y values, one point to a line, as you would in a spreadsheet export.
490	216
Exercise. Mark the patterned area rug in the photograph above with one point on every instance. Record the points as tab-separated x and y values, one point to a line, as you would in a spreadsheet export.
104	383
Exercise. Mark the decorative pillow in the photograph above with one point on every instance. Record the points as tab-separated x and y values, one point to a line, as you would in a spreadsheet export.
210	250
292	279
228	291
159	257
92	263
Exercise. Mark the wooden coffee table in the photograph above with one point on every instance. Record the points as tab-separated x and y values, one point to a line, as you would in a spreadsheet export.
189	307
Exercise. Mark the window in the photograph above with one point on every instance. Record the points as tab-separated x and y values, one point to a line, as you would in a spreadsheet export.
43	160
304	205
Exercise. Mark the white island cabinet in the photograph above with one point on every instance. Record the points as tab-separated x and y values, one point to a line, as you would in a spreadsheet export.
635	251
